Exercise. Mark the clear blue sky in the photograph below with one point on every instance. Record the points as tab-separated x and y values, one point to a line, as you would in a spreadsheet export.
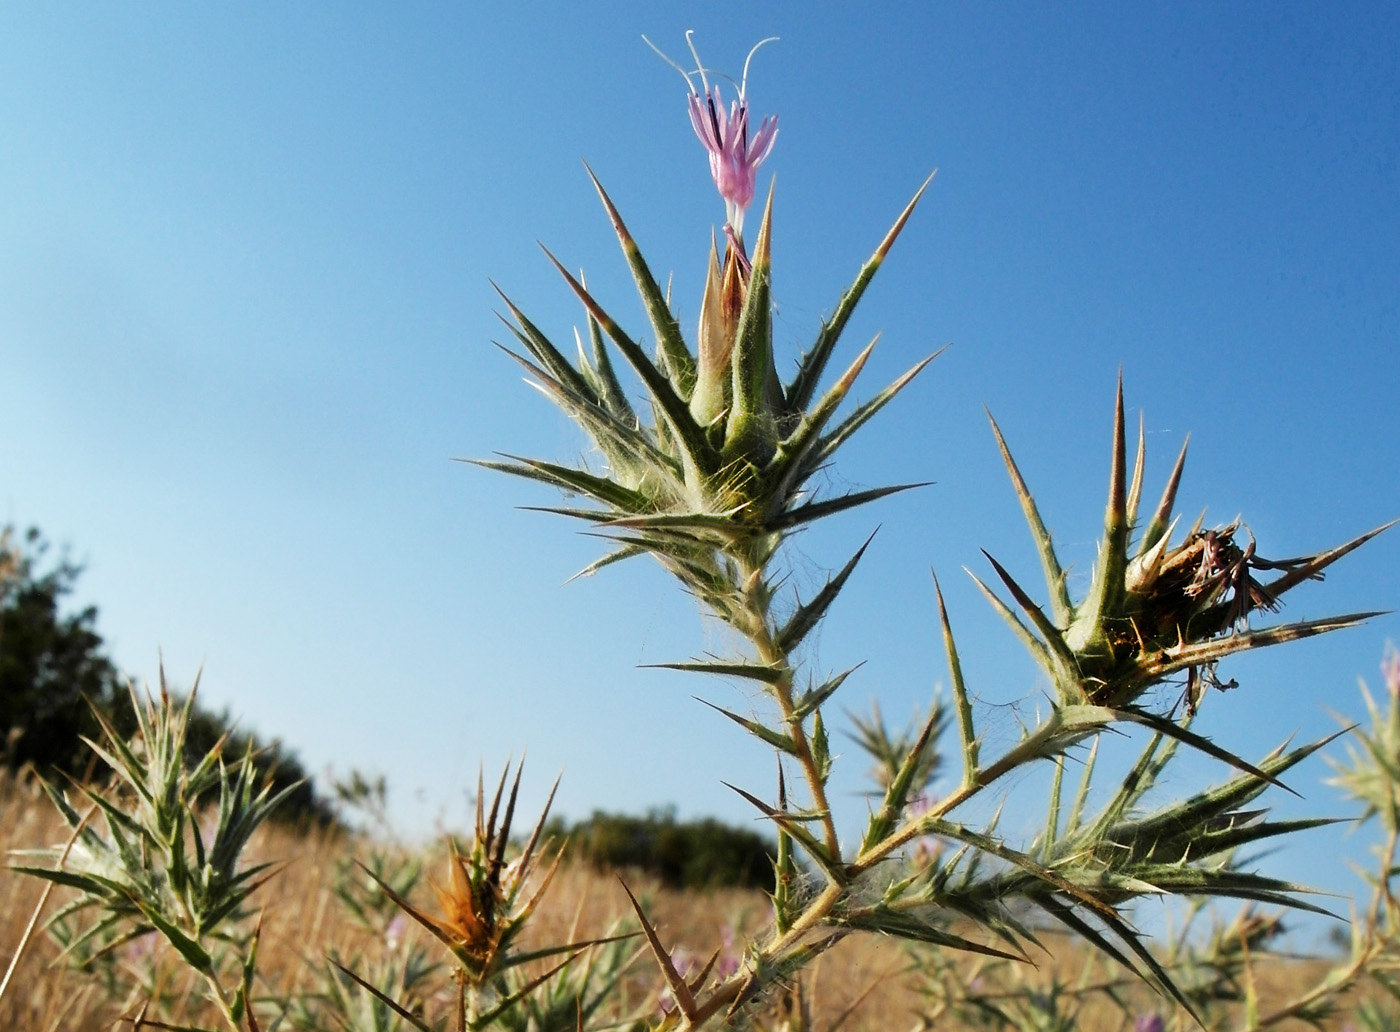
245	327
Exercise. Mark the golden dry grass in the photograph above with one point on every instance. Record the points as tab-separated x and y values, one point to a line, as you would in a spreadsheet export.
303	920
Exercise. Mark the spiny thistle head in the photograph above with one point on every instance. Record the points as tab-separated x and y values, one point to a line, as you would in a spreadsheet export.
156	868
722	465
487	899
1371	772
1153	608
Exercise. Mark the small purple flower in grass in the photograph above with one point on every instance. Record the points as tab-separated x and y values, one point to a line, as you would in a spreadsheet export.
1149	1023
734	154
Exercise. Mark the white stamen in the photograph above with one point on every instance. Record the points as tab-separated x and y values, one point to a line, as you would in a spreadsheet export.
699	67
661	54
743	83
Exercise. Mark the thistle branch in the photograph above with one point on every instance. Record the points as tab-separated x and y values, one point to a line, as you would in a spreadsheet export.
754	624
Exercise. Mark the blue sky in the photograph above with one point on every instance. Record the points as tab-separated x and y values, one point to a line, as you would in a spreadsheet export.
245	327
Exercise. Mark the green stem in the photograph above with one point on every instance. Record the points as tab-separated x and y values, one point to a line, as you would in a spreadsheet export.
756	628
816	912
217	992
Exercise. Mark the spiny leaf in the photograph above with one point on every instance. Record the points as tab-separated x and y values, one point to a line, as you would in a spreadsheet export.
1161	519
1086	931
610	388
784	866
1052	816
587	515
1241	789
679	361
821	748
809	614
517	959
1065	668
752	671
534	838
194	954
897	795
1171	729
676	414
619	440
987	844
1139	465
408	908
828	507
1135	783
1320	562
1055	582
1159	978
696	524
813	364
962	706
812	700
1184	879
684	999
1105	592
778	740
607	491
792	825
888	921
1038	649
1080	797
544	351
1199	653
827	446
383	998
1212	844
751	359
794	448
88	883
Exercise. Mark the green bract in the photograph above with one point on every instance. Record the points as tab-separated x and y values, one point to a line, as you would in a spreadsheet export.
723	463
1153	608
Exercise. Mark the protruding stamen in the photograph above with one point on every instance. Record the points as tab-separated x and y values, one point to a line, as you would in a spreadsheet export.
667	58
744	82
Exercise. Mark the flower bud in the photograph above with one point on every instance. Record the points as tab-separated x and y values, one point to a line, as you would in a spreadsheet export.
719	319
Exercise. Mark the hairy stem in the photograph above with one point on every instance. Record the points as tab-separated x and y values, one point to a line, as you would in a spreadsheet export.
756	627
823	904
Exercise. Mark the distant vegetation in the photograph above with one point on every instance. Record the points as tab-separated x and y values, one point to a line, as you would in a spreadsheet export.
701	854
55	675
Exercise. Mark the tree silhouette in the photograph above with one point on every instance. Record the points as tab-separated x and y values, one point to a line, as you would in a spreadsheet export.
51	663
54	673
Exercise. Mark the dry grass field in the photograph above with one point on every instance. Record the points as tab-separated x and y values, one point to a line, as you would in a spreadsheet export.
864	983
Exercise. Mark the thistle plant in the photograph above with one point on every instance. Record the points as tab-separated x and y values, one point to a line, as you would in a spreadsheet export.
713	473
1222	972
163	866
483	909
403	972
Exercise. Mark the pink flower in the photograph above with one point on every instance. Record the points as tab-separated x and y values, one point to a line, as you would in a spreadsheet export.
734	154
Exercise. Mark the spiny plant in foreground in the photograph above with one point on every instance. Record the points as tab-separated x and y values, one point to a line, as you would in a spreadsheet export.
1223	973
488	900
160	868
713	473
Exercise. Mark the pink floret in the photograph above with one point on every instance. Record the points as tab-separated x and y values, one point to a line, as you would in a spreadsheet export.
734	155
